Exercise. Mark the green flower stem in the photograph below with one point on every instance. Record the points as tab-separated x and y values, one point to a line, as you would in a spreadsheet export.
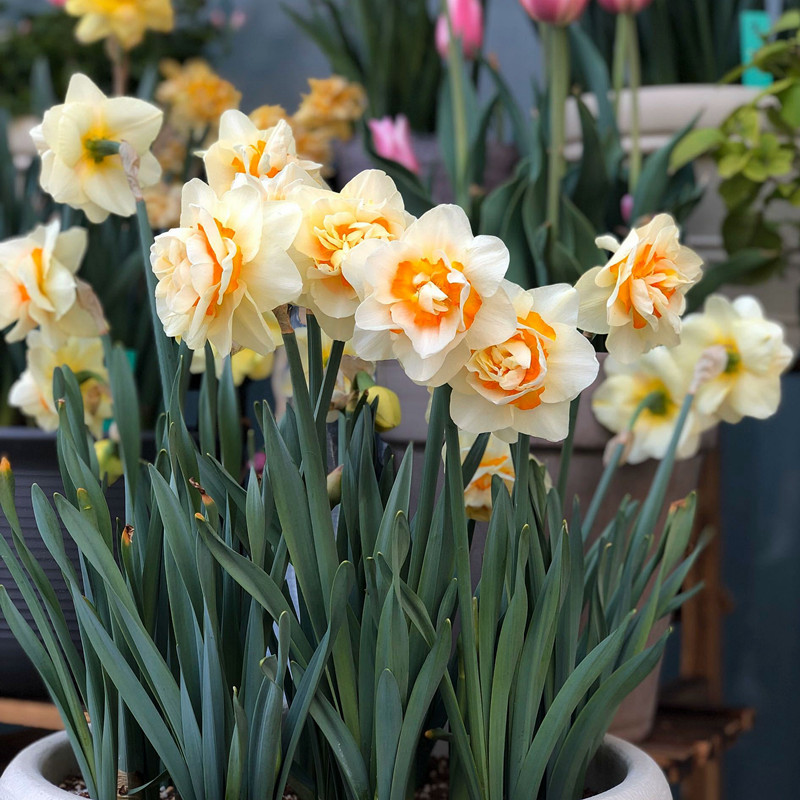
521	490
101	148
634	82
647	402
566	453
323	399
559	88
461	135
620	57
165	347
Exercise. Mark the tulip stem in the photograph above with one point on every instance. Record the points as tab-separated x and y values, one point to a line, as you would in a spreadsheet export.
559	88
455	64
634	84
620	59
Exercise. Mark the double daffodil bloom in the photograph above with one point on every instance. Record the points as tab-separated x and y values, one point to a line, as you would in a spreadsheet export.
124	20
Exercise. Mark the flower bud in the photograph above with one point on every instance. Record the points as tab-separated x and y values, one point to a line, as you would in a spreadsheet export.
466	20
334	484
388	414
555	12
108	460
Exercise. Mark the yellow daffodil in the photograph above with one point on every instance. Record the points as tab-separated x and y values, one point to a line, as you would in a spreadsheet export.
524	383
659	376
432	296
496	460
243	149
33	392
757	356
225	268
124	20
638	297
196	95
163	202
333	103
334	239
79	167
38	287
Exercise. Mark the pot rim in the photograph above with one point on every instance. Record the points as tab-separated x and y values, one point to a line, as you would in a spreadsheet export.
32	772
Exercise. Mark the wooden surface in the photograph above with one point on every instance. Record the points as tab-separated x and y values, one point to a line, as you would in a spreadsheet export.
31	714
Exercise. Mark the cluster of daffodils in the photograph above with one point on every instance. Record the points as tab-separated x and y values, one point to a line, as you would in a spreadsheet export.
57	315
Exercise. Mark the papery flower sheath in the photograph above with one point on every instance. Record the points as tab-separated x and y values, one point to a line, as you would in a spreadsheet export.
225	268
77	168
524	383
638	297
432	297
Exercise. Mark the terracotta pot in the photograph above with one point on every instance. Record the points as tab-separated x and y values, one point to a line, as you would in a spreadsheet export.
352	158
620	771
636	715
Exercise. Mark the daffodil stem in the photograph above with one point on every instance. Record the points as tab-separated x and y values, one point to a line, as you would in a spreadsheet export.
634	84
566	453
521	489
455	64
101	148
165	347
323	399
559	89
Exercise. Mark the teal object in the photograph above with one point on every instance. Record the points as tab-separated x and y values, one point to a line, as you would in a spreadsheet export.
753	27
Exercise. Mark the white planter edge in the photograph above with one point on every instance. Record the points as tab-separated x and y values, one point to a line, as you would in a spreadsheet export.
33	773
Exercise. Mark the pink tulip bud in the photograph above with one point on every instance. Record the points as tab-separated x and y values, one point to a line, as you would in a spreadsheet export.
624	6
466	17
626	208
555	12
392	140
57	3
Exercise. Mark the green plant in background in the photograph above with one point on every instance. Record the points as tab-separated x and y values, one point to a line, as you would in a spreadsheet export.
380	44
756	156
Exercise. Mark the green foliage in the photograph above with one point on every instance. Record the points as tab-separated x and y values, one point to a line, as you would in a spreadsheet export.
363	40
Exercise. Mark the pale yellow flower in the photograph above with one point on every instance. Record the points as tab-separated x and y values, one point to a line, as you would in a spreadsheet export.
243	149
750	385
336	235
225	268
496	460
38	287
75	168
197	96
267	116
638	297
525	382
163	203
627	385
432	297
332	103
33	392
124	20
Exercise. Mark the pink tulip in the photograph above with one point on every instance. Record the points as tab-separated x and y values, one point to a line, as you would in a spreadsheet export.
466	17
626	208
555	12
57	3
624	6
392	140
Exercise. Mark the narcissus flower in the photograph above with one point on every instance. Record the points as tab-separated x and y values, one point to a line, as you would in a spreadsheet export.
333	103
196	95
78	168
638	297
432	297
330	243
38	287
627	385
225	268
555	12
33	392
124	20
496	461
757	356
243	149
524	383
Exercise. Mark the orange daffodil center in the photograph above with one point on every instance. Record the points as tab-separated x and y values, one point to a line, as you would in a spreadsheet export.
225	268
431	296
525	382
338	233
638	297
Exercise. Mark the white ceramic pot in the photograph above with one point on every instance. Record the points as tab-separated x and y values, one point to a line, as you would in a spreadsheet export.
36	772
